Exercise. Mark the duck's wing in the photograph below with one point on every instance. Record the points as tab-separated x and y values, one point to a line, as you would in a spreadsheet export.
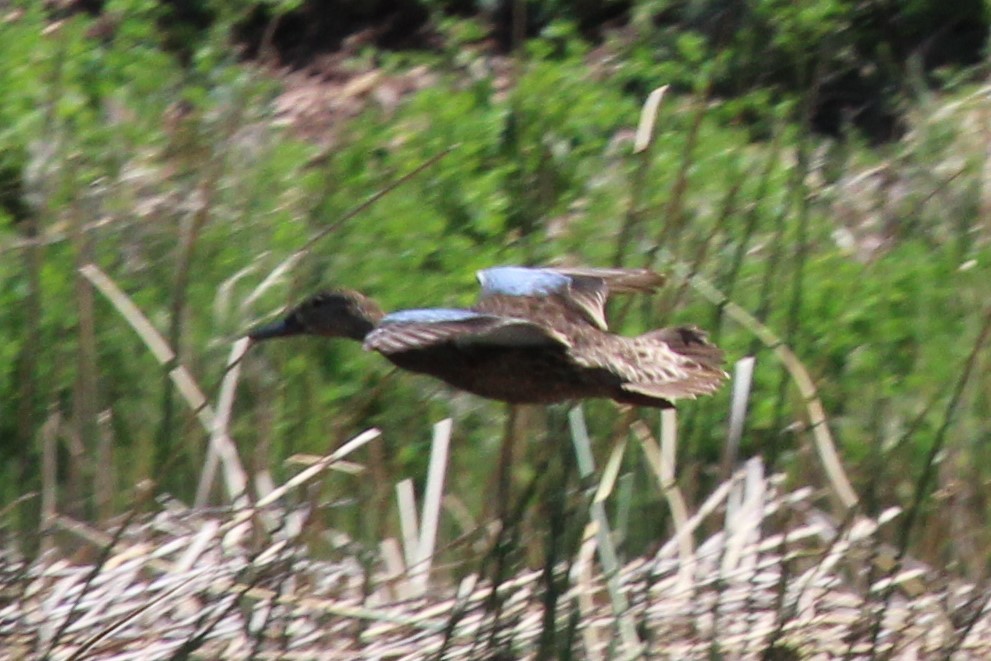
409	330
619	281
582	289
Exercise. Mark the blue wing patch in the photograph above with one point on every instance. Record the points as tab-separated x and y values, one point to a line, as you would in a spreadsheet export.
522	281
429	316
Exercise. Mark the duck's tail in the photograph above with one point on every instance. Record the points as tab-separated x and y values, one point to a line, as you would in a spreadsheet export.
674	363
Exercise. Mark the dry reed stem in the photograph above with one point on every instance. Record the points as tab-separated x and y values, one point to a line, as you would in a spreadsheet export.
824	444
235	477
662	463
632	645
430	516
409	526
225	403
49	475
742	382
642	146
236	528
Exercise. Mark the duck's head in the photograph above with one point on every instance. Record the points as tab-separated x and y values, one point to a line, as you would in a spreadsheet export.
338	313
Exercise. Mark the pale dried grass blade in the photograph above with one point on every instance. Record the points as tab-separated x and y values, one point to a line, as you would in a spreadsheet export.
743	375
395	568
743	517
648	118
430	517
349	467
222	301
236	528
662	460
825	446
408	520
304	476
632	645
234	473
49	476
221	446
272	279
104	480
609	474
593	635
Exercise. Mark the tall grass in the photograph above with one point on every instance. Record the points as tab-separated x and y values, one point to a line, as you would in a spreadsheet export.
214	216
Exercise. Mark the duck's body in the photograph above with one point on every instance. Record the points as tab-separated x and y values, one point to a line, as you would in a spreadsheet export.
536	336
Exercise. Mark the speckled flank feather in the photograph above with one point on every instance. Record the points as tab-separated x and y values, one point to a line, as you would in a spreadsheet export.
661	364
536	336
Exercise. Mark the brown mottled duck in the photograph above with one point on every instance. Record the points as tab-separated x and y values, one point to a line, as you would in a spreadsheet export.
536	336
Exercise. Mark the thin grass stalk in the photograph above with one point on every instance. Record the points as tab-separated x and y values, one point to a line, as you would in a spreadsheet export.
554	582
30	378
743	374
702	251
235	477
197	640
817	422
82	651
505	543
238	527
104	478
875	461
290	262
221	421
661	460
727	279
798	285
304	476
85	388
49	477
939	440
185	250
430	516
673	214
781	618
190	232
984	111
642	147
769	280
624	507
408	526
924	483
633	647
500	481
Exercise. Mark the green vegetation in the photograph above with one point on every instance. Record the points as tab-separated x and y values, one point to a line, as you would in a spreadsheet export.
184	177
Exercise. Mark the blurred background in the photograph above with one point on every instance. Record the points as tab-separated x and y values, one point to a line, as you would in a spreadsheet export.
824	164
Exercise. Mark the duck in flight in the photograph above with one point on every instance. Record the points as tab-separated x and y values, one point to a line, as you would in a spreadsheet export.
536	336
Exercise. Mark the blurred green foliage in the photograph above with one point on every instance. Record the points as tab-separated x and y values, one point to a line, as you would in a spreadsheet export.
161	166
